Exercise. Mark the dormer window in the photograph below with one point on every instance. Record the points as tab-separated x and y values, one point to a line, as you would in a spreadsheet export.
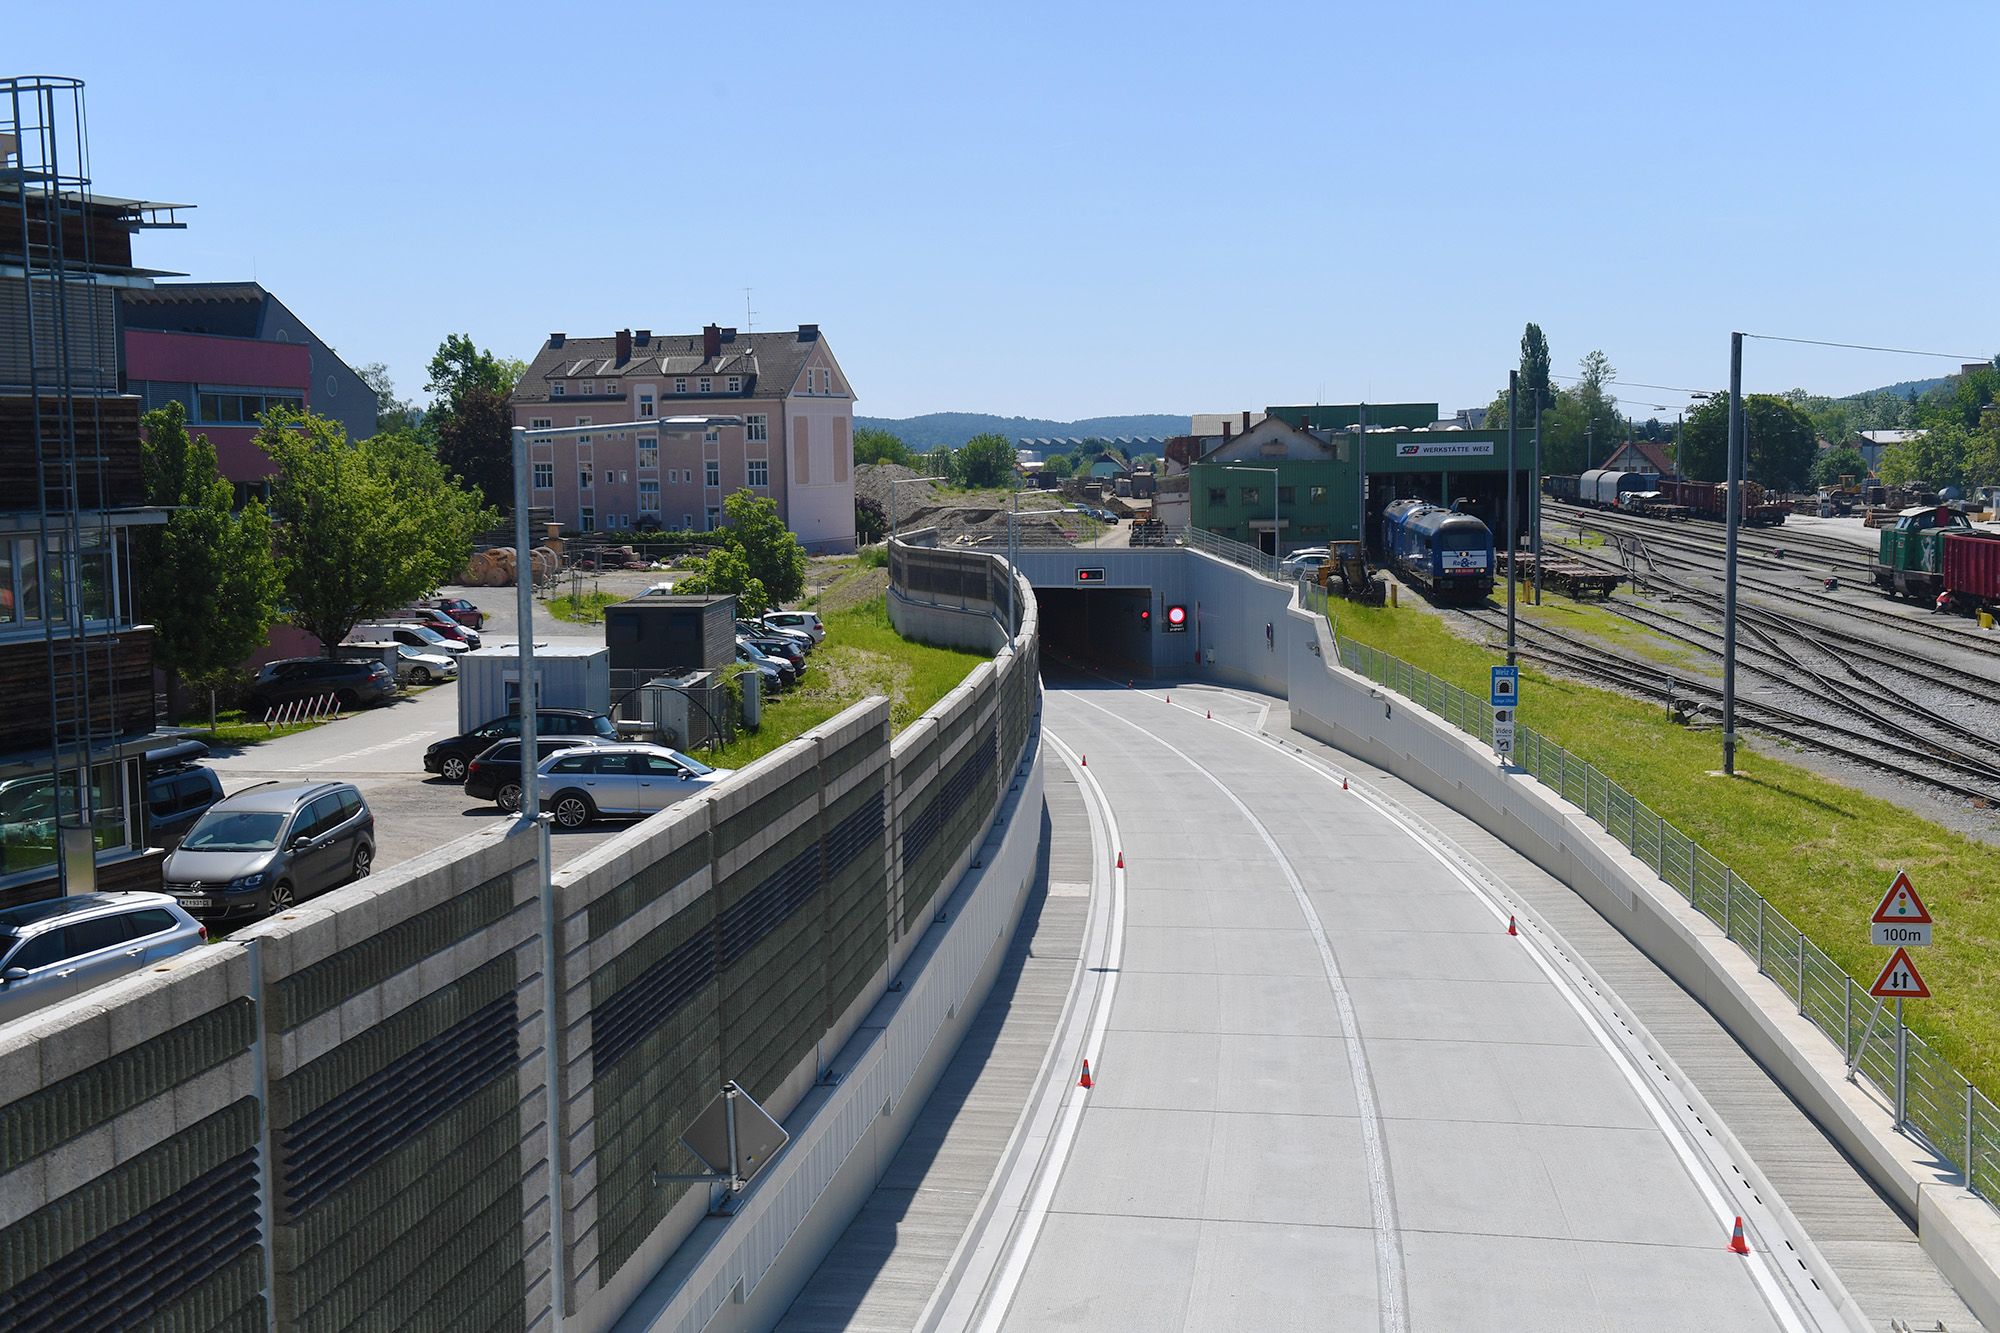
556	389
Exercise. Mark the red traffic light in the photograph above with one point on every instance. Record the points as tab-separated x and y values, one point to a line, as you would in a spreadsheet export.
1145	613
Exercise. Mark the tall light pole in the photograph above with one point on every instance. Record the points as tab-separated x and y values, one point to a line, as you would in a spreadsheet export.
1734	514
1535	491
1513	391
530	817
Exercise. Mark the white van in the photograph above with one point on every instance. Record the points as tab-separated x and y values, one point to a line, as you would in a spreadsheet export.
420	637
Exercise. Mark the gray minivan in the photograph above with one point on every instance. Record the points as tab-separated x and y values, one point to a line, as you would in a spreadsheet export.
270	846
60	947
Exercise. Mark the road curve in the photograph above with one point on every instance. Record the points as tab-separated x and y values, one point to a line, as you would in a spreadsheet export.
1333	1092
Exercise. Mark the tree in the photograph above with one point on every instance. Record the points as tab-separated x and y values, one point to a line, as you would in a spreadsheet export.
1535	385
207	577
1833	464
1059	466
1147	463
1602	424
368	525
871	525
391	412
873	445
724	571
984	460
459	366
937	463
770	549
1780	446
475	441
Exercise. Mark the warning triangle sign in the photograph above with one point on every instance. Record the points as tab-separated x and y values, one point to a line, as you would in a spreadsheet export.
1899	980
1901	906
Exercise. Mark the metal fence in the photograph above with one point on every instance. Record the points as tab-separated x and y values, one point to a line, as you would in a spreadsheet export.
1928	1096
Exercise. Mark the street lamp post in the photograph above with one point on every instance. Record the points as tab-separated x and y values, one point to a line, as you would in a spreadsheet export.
1513	390
530	816
1734	515
1535	493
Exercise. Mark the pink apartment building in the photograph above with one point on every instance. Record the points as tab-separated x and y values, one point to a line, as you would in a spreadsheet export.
795	443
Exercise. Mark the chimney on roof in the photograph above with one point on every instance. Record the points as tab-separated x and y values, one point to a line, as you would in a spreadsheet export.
624	346
1225	429
642	337
808	332
1246	420
556	339
711	342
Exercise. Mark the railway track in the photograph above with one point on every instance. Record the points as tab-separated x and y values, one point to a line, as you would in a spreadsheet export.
1918	761
1709	537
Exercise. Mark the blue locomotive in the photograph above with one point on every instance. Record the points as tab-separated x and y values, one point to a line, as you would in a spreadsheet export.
1447	552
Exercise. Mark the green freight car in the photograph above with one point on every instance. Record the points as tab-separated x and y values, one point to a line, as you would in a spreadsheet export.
1911	560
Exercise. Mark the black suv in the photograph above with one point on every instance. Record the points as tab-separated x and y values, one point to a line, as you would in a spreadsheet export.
178	791
495	773
451	758
350	683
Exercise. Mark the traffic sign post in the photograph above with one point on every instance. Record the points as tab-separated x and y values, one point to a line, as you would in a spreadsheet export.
1902	921
1503	733
1504	693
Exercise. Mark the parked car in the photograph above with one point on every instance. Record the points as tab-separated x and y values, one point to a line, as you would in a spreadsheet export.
805	621
350	683
449	758
579	786
464	612
439	622
414	666
417	636
757	629
58	947
779	646
495	772
178	791
777	669
270	846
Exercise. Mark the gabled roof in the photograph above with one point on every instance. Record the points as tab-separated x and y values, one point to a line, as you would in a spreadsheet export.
1650	453
770	363
1221	449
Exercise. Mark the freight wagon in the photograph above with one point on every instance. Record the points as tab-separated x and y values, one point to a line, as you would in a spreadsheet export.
1972	568
1710	499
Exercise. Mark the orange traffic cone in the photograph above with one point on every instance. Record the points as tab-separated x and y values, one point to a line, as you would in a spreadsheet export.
1086	761
1170	698
1510	927
1121	861
1343	782
1211	715
1087	1082
1738	1245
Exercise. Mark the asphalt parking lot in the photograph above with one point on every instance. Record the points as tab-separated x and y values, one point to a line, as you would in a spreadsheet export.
381	751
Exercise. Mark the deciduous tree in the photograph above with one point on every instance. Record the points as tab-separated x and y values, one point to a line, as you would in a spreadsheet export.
873	445
367	525
1780	447
770	549
475	442
208	578
984	460
1837	463
724	571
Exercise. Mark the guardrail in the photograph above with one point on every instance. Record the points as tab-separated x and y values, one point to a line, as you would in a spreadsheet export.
1928	1096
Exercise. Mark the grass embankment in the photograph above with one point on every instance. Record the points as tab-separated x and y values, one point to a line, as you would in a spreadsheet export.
232	728
861	655
587	609
1821	852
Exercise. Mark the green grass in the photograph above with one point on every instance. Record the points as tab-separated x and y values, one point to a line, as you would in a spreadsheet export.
234	729
1822	853
861	655
1593	619
587	609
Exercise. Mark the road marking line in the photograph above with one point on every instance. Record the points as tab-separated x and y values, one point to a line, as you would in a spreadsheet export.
1390	1290
413	738
992	1310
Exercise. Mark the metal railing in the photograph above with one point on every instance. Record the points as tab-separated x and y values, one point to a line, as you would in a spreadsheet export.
316	708
1237	553
1926	1094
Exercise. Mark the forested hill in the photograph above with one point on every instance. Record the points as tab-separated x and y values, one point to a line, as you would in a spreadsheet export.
955	428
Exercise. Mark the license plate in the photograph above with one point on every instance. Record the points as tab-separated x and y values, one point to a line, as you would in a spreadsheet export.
197	902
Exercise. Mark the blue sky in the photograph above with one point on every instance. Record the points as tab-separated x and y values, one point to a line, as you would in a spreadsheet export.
1073	210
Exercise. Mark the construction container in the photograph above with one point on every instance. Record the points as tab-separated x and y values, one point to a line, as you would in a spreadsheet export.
567	675
670	636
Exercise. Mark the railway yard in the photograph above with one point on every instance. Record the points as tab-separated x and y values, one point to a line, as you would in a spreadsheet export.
1891	698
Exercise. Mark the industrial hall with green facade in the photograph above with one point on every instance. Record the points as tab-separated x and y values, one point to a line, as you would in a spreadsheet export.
1306	456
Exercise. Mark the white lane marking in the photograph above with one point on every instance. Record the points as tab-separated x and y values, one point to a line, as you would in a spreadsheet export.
412	738
1021	1244
1770	1286
1381	1199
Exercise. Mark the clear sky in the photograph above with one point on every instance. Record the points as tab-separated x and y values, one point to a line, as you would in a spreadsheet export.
1067	210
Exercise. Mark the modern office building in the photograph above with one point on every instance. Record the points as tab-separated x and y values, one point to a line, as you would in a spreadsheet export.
76	659
795	442
228	351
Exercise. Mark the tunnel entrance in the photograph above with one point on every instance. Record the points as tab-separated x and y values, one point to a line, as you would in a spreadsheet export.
1108	629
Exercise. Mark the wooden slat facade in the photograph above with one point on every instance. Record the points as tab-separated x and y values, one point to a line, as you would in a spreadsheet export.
102	235
121	688
107	436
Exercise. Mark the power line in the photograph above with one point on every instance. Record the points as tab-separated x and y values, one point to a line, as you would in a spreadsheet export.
1864	347
1634	384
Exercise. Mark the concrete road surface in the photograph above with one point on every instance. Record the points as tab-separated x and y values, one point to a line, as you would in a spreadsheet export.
1332	1091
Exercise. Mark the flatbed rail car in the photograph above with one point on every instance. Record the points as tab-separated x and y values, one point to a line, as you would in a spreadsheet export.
1571	577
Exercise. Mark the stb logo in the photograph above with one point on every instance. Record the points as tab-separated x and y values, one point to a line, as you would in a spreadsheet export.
1406	451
